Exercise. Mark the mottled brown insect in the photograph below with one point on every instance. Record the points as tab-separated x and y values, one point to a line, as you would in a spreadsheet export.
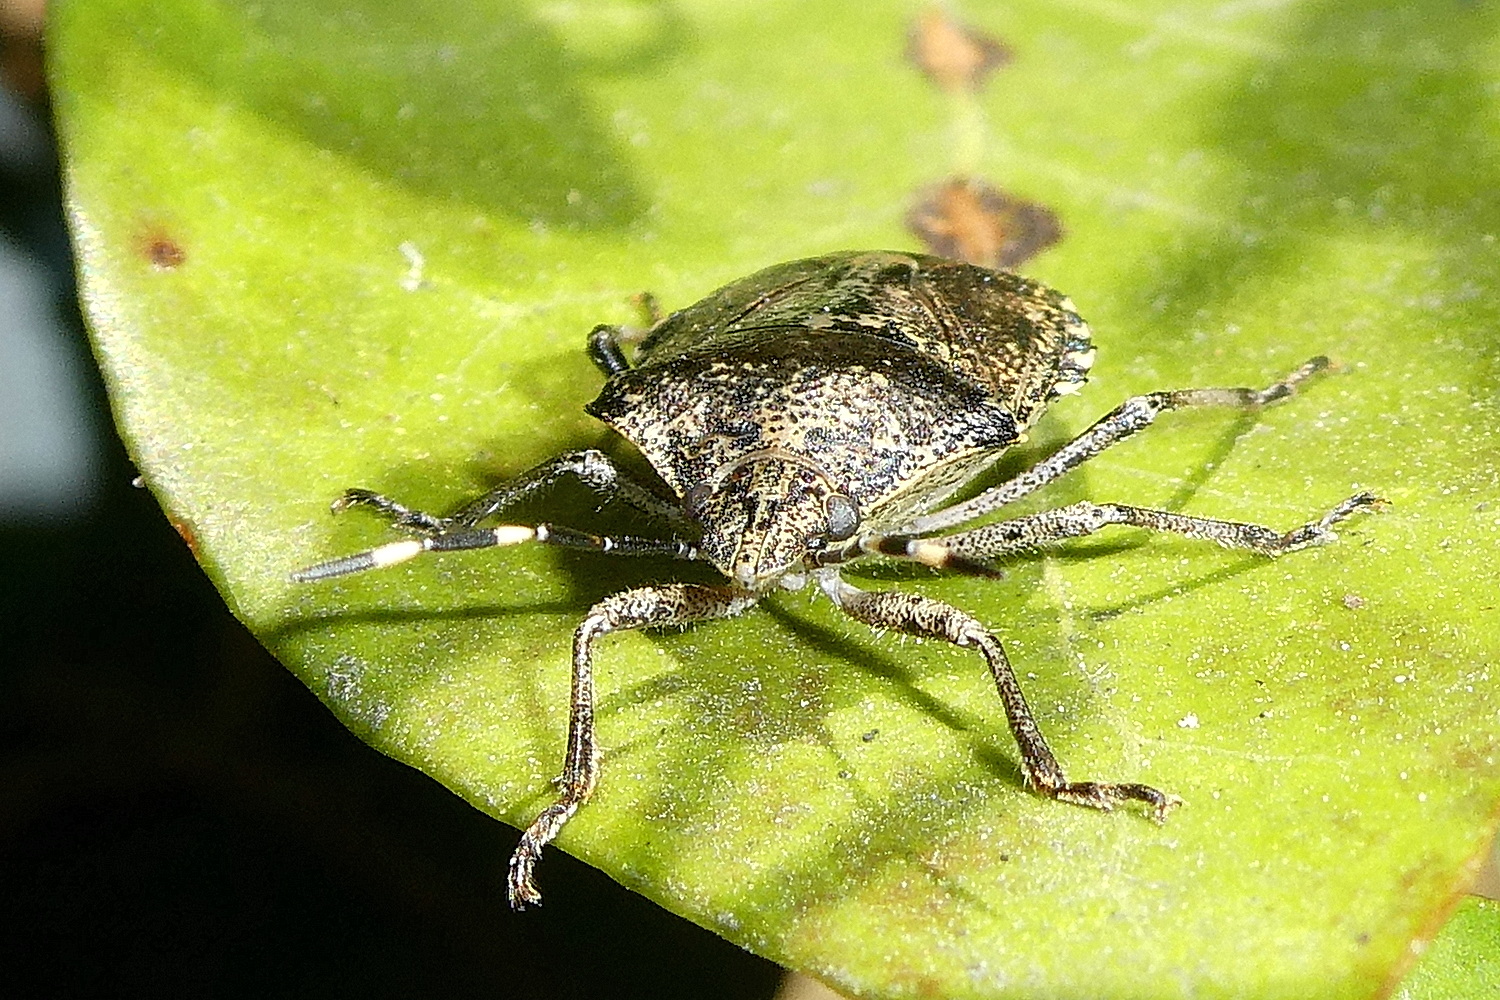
815	413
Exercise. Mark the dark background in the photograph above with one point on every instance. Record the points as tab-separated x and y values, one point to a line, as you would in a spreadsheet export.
177	813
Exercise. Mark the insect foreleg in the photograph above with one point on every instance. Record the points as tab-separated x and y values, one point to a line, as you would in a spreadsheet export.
591	467
458	531
671	604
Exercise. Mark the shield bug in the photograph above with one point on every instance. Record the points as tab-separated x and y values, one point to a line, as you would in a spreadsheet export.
823	411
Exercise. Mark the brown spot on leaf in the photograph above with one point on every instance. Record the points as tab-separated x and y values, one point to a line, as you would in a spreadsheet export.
953	55
967	219
185	530
1476	755
163	252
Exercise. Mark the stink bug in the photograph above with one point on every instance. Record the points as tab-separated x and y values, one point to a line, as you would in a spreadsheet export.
819	412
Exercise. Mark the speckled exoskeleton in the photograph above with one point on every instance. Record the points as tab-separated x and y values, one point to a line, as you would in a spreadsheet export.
819	412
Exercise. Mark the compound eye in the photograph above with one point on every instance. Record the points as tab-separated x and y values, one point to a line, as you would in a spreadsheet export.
843	517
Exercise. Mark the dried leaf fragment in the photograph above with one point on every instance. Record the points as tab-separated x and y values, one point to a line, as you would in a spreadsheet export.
955	56
970	220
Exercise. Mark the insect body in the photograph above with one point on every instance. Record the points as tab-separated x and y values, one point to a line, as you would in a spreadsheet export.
822	411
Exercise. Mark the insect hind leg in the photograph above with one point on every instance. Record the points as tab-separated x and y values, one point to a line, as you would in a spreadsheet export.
1124	421
923	616
606	343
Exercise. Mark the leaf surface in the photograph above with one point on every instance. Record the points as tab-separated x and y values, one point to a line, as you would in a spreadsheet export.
347	244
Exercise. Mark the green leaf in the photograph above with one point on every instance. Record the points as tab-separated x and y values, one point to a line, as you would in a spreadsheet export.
335	244
1464	960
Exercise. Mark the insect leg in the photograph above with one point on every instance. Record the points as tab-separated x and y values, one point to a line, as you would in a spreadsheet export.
399	515
605	350
606	344
450	534
591	467
1130	417
923	616
670	604
978	546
